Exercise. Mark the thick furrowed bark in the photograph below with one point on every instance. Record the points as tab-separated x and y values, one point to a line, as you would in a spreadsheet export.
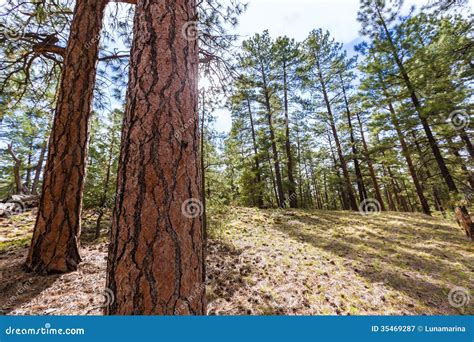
156	255
54	246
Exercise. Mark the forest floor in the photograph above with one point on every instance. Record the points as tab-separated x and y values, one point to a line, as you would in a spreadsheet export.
277	262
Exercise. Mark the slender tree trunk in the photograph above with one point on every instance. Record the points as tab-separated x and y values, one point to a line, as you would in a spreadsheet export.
258	174
344	198
105	190
54	247
406	153
310	197
396	190
157	251
276	161
467	173
342	160
416	103
300	182
39	168
436	196
326	195
275	191
465	138
375	183
316	188
28	172
203	167
389	190
407	200
16	169
292	185
355	152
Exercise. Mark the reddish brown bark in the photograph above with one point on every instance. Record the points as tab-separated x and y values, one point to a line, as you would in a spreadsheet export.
156	255
54	247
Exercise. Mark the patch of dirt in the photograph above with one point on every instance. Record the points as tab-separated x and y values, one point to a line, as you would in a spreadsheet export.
278	262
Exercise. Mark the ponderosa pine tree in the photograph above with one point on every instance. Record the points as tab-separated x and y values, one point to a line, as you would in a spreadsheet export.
287	60
322	55
257	62
346	75
54	246
156	254
241	104
375	17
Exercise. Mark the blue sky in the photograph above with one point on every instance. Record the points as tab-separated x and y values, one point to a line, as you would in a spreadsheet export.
296	18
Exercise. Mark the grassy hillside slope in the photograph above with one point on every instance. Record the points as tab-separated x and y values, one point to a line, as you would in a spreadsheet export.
280	262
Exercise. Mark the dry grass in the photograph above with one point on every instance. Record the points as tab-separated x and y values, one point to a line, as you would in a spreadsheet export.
278	262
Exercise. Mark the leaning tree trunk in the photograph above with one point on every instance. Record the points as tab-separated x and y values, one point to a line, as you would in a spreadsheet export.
355	152
156	256
342	159
38	169
54	247
411	168
465	138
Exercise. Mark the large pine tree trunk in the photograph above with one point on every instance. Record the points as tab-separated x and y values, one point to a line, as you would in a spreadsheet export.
157	252
54	247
